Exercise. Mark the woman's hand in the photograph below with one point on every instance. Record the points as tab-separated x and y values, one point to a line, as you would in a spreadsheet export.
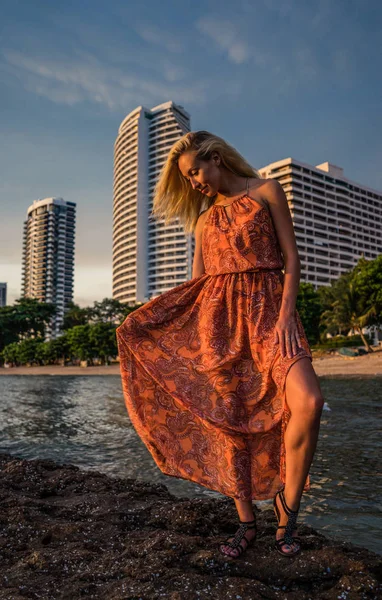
287	335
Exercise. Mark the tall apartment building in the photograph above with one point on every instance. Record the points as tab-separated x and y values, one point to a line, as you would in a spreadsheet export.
3	294
48	255
336	220
148	257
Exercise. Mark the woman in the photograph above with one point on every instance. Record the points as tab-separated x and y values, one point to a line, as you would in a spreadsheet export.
217	372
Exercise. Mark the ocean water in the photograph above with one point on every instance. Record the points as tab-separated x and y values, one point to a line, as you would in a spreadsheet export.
83	420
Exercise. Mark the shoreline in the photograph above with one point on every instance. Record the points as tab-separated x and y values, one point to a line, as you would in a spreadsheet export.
368	364
71	533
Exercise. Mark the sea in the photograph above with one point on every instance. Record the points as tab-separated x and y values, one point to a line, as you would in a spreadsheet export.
82	420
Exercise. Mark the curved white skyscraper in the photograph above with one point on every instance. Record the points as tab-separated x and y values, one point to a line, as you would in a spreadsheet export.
148	257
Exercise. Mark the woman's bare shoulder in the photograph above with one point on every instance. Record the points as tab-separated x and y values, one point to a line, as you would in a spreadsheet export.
200	222
274	192
204	214
258	188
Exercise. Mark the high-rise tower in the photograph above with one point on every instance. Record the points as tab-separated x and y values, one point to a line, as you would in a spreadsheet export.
3	294
335	219
48	255
148	257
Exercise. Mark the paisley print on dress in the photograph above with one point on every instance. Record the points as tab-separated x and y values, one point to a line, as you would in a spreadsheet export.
203	381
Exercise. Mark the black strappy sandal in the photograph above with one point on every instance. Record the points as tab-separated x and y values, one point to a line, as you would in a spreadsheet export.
289	527
239	536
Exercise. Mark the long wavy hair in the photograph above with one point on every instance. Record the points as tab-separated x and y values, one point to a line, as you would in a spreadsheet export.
174	196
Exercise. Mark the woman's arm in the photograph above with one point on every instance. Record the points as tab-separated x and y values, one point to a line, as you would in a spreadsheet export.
282	220
278	205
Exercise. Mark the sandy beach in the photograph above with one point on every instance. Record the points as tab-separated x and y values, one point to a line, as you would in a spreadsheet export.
369	364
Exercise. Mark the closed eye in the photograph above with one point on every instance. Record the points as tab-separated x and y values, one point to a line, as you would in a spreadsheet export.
194	173
191	172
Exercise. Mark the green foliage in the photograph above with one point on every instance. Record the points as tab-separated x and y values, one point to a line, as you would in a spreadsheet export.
54	351
79	342
41	353
9	326
75	316
341	341
86	342
33	316
341	305
368	281
103	341
89	332
10	353
109	311
106	311
27	351
355	300
26	318
309	308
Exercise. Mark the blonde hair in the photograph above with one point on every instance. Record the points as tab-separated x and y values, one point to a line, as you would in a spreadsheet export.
174	195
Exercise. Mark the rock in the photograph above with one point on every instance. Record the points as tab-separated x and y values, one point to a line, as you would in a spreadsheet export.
67	534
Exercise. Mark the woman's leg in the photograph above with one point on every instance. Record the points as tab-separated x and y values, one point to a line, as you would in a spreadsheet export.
305	401
245	511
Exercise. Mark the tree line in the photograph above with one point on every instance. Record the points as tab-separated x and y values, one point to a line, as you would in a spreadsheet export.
351	302
88	334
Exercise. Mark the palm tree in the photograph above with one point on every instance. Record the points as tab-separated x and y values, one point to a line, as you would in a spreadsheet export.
349	308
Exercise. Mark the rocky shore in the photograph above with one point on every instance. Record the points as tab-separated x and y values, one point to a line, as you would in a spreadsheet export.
66	533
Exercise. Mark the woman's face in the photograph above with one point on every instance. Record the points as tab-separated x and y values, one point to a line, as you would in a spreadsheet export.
203	175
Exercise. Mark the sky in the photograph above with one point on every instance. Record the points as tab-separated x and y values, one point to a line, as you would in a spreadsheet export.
275	78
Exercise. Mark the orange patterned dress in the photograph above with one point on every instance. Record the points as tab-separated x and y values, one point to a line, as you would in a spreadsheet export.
203	380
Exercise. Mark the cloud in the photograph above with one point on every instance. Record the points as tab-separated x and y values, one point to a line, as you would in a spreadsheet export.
172	72
159	37
282	66
84	78
226	37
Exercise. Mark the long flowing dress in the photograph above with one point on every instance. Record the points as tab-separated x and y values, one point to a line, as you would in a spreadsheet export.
202	377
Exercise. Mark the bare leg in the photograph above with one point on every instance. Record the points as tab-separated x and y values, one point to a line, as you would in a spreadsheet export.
305	401
245	511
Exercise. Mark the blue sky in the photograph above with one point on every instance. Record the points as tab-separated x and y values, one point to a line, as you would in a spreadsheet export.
276	78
